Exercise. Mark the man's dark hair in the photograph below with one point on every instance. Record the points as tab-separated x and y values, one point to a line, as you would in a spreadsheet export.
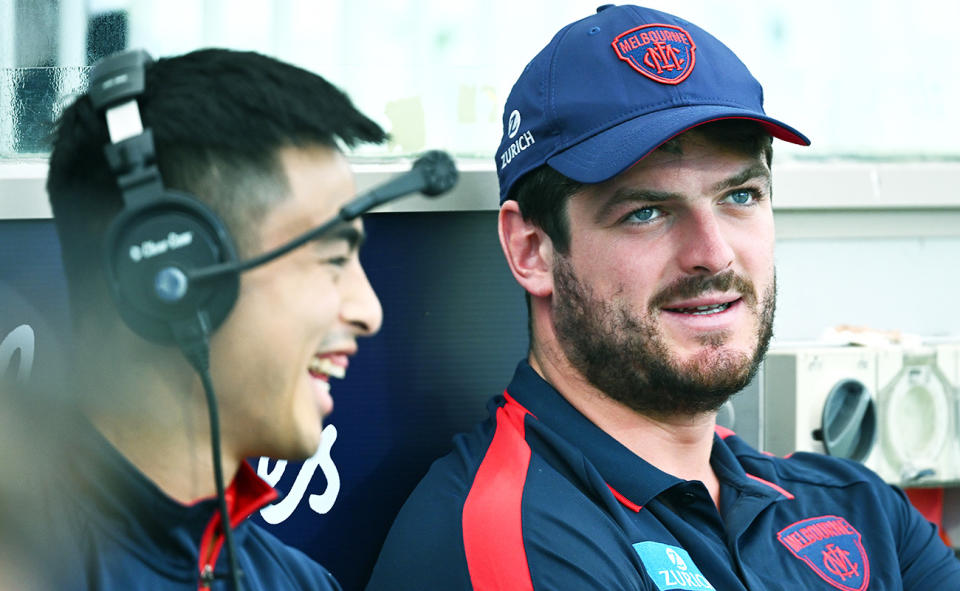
219	120
543	193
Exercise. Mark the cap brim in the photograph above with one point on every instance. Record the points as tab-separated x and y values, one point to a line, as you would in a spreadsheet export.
610	152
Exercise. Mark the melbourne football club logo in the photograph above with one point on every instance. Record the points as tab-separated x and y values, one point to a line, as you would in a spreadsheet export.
832	548
664	53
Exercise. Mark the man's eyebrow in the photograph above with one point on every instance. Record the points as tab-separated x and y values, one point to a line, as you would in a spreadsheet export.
757	171
353	236
626	194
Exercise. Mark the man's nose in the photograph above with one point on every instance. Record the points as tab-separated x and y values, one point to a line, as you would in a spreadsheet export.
704	247
360	308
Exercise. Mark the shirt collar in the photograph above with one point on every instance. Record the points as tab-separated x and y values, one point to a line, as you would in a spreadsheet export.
121	498
627	473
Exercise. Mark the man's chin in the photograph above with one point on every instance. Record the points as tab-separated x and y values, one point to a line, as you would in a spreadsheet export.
302	448
308	447
718	364
708	347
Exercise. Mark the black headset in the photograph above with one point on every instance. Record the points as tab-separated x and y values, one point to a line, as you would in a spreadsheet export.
171	265
160	235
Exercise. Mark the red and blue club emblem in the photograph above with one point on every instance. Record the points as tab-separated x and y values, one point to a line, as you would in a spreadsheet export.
832	548
663	53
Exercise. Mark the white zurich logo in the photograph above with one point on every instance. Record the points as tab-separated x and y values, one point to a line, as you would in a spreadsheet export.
676	559
513	124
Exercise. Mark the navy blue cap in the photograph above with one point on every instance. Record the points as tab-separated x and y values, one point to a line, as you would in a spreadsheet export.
608	89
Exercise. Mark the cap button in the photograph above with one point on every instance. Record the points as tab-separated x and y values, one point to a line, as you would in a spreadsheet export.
604	7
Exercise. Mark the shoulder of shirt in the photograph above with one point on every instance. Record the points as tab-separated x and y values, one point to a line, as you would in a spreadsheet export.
286	558
455	470
802	467
470	447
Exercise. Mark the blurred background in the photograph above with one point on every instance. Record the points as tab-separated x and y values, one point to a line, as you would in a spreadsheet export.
867	80
868	216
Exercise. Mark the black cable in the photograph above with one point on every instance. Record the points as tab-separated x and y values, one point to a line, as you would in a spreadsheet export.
235	573
239	267
193	338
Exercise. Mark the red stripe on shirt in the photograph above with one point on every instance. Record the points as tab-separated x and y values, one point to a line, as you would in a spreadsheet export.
775	487
492	521
624	500
245	494
723	432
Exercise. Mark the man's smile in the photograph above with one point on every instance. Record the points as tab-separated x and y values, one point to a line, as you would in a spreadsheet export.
326	366
704	306
322	367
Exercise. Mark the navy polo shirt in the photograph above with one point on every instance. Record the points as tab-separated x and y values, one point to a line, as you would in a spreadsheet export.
102	525
538	497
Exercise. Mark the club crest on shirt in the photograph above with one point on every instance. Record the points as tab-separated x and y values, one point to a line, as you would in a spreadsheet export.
832	548
663	53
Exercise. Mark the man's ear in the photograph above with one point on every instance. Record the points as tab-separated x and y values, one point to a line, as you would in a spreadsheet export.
528	249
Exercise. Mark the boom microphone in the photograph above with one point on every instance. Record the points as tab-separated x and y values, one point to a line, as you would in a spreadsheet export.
432	174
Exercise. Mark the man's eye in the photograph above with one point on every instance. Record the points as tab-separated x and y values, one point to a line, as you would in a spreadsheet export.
336	261
644	215
742	197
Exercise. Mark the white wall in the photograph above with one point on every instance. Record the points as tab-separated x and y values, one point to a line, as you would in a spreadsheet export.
906	284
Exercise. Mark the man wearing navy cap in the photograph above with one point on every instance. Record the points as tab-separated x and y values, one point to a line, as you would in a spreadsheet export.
636	212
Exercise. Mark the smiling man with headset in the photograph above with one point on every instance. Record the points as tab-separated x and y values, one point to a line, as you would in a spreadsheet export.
168	180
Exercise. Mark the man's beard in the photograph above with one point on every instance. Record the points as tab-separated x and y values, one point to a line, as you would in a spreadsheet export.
625	356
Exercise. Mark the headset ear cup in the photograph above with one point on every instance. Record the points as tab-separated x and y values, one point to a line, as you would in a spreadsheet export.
171	234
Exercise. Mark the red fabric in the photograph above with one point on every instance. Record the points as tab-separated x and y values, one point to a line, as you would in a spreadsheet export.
624	500
929	502
492	520
723	432
245	494
775	487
